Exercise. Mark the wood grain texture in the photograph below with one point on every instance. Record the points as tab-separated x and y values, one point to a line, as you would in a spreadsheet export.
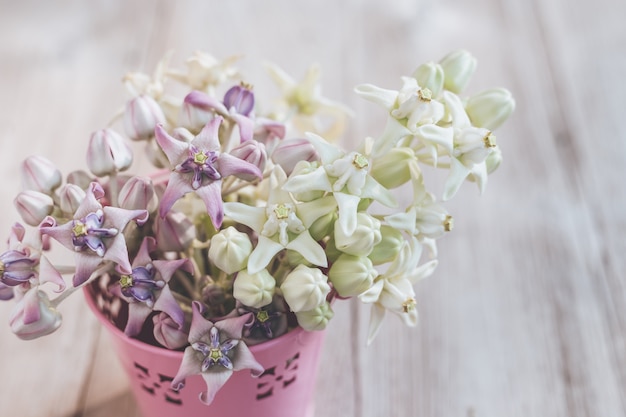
526	314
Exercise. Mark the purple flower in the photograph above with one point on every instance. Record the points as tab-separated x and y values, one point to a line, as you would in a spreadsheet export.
268	322
199	167
216	351
95	234
146	289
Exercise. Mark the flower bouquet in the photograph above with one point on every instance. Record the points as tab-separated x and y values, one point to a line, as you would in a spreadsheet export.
253	220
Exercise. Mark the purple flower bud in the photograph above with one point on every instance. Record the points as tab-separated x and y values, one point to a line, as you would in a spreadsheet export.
6	292
168	333
292	151
33	206
141	116
138	194
240	99
39	174
108	153
34	316
80	178
253	152
174	232
269	132
70	197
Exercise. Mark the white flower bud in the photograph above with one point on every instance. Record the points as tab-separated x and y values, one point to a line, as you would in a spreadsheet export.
39	174
80	178
70	197
389	247
291	151
33	316
315	319
430	75
108	153
305	288
391	170
230	249
141	115
33	206
362	241
193	116
254	290
351	275
458	68
138	194
490	108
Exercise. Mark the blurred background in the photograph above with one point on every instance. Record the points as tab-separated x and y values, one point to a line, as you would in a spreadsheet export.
526	313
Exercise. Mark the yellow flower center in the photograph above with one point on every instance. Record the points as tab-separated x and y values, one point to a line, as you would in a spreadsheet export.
200	158
448	223
79	229
281	211
425	94
409	305
360	161
2	268
215	354
262	316
490	140
126	281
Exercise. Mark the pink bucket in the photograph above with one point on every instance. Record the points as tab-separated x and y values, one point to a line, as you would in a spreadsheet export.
285	389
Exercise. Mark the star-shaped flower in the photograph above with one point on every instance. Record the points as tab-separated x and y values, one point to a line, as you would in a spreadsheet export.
282	224
199	167
146	288
215	351
95	234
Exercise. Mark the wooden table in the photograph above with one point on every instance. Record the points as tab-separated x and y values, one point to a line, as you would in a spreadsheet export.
526	314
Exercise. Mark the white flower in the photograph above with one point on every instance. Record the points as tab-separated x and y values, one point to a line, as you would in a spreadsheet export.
305	288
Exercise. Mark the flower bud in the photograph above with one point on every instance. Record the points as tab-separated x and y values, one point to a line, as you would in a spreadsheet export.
168	333
362	241
6	292
490	108
430	75
458	68
80	178
305	288
253	152
291	151
138	194
141	115
108	153
389	246
269	132
254	290
33	206
70	197
39	174
229	250
493	160
391	170
194	115
351	275
240	99
315	319
34	316
174	232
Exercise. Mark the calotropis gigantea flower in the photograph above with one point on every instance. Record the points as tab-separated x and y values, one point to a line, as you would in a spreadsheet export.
352	275
205	72
34	316
24	265
393	289
146	287
70	197
94	234
254	290
490	108
458	68
346	176
215	351
229	250
199	167
282	224
305	288
141	115
305	101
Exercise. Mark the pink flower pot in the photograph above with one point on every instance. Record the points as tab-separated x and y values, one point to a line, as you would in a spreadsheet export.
285	389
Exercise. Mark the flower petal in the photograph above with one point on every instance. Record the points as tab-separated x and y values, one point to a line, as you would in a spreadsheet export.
347	205
306	246
245	360
382	96
211	194
315	180
232	327
177	187
174	149
253	217
458	173
189	366
137	314
261	256
231	165
208	139
214	380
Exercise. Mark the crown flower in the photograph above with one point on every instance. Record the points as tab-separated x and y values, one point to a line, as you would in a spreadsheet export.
252	220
